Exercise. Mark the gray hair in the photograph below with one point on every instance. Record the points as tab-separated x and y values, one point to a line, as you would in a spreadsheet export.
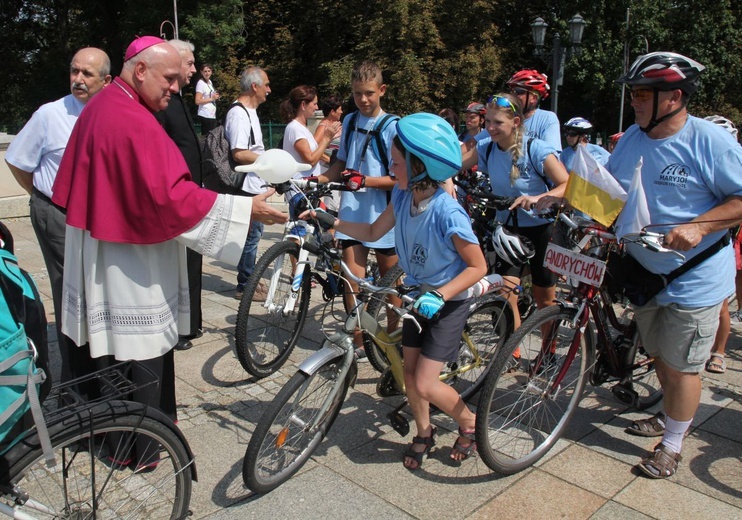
182	46
251	75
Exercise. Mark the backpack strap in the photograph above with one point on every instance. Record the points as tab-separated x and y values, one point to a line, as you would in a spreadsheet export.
547	183
375	133
251	139
703	255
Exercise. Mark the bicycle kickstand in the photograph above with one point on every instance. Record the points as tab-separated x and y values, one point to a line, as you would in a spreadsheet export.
400	423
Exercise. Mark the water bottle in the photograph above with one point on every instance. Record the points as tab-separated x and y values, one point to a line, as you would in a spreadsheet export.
489	283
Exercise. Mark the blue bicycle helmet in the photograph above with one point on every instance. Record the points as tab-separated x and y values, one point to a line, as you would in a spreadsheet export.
432	140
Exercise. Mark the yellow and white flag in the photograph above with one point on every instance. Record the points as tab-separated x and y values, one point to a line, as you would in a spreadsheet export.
636	216
592	190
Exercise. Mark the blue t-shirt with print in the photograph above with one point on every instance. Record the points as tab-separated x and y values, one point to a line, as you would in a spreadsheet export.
600	154
684	176
544	125
365	205
424	242
530	181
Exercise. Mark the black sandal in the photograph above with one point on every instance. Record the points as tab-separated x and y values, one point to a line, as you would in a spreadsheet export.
419	456
466	450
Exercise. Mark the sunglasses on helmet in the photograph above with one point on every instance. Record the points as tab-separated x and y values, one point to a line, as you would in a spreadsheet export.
502	102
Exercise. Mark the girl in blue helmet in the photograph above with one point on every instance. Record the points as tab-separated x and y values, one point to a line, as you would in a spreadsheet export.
438	250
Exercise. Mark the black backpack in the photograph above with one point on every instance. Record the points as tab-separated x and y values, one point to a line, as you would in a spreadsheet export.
217	166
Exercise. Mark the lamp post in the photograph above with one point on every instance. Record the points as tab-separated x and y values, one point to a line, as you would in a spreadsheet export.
626	52
173	25
558	53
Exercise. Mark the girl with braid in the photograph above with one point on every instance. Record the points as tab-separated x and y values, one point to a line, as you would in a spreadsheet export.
526	169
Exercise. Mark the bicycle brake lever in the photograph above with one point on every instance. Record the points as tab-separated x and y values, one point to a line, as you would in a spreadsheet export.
652	242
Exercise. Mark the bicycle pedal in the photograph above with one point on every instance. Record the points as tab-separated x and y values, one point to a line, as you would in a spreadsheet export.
400	424
625	395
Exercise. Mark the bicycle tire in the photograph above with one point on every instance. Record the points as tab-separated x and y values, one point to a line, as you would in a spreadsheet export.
645	382
488	325
264	335
267	464
520	417
156	483
376	307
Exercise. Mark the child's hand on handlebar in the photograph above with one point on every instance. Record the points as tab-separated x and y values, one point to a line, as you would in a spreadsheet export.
429	304
354	180
548	202
524	201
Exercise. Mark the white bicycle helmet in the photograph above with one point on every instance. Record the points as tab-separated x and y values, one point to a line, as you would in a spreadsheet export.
515	249
725	123
579	125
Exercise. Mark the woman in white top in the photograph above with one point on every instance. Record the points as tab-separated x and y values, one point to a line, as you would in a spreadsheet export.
332	109
298	139
206	97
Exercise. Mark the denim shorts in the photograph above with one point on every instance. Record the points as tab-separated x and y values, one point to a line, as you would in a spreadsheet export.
681	337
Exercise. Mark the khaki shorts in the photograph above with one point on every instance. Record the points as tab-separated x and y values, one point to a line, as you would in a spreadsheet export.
682	337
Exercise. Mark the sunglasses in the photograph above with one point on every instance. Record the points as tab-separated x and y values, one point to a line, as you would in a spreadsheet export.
517	91
571	134
641	94
502	102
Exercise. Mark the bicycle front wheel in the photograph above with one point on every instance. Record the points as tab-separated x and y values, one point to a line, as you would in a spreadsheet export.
291	428
118	464
524	407
488	326
377	307
271	314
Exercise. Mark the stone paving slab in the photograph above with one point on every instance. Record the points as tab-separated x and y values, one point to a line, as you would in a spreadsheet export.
357	473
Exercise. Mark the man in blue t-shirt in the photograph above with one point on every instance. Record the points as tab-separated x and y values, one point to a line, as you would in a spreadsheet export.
690	175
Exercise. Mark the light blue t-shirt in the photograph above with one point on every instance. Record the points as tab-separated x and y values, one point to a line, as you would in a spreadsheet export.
544	125
365	205
530	181
40	145
599	153
684	175
425	242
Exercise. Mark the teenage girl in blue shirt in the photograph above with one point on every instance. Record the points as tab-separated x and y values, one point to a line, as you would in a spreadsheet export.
438	250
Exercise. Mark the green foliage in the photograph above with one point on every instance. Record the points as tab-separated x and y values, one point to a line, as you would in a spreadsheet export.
434	53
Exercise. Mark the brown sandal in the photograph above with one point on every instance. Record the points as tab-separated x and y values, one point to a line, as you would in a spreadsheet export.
467	450
651	427
716	364
662	464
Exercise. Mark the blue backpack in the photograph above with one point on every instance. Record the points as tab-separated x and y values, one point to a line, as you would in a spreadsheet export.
24	351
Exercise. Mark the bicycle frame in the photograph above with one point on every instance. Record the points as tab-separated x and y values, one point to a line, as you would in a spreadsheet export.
290	304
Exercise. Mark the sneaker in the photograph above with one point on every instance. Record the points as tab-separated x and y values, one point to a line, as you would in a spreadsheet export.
361	356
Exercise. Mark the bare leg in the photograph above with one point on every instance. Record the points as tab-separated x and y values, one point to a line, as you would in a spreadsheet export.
724	330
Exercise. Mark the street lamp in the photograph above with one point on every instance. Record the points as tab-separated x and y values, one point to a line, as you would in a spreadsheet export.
558	53
626	52
173	25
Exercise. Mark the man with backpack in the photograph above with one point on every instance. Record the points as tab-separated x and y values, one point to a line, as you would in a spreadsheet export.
242	130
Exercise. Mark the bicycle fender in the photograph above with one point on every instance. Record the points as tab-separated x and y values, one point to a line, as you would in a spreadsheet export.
323	356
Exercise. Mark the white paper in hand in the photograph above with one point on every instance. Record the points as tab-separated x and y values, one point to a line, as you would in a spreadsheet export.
274	166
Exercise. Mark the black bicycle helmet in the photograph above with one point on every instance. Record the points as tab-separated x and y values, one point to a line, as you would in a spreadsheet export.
664	71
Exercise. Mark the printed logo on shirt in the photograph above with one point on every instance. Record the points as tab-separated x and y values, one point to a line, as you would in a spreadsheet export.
419	255
674	175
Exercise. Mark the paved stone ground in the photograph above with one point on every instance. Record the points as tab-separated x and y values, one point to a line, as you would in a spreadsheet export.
357	473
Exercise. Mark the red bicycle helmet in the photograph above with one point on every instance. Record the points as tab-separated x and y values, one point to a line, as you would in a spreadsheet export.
531	80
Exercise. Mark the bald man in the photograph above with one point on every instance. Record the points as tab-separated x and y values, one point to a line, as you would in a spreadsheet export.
34	156
131	212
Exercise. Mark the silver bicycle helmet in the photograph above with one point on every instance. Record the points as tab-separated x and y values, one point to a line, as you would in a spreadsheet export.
725	123
515	249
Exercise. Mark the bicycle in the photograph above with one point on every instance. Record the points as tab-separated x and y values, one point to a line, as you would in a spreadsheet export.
302	413
267	331
524	410
114	458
